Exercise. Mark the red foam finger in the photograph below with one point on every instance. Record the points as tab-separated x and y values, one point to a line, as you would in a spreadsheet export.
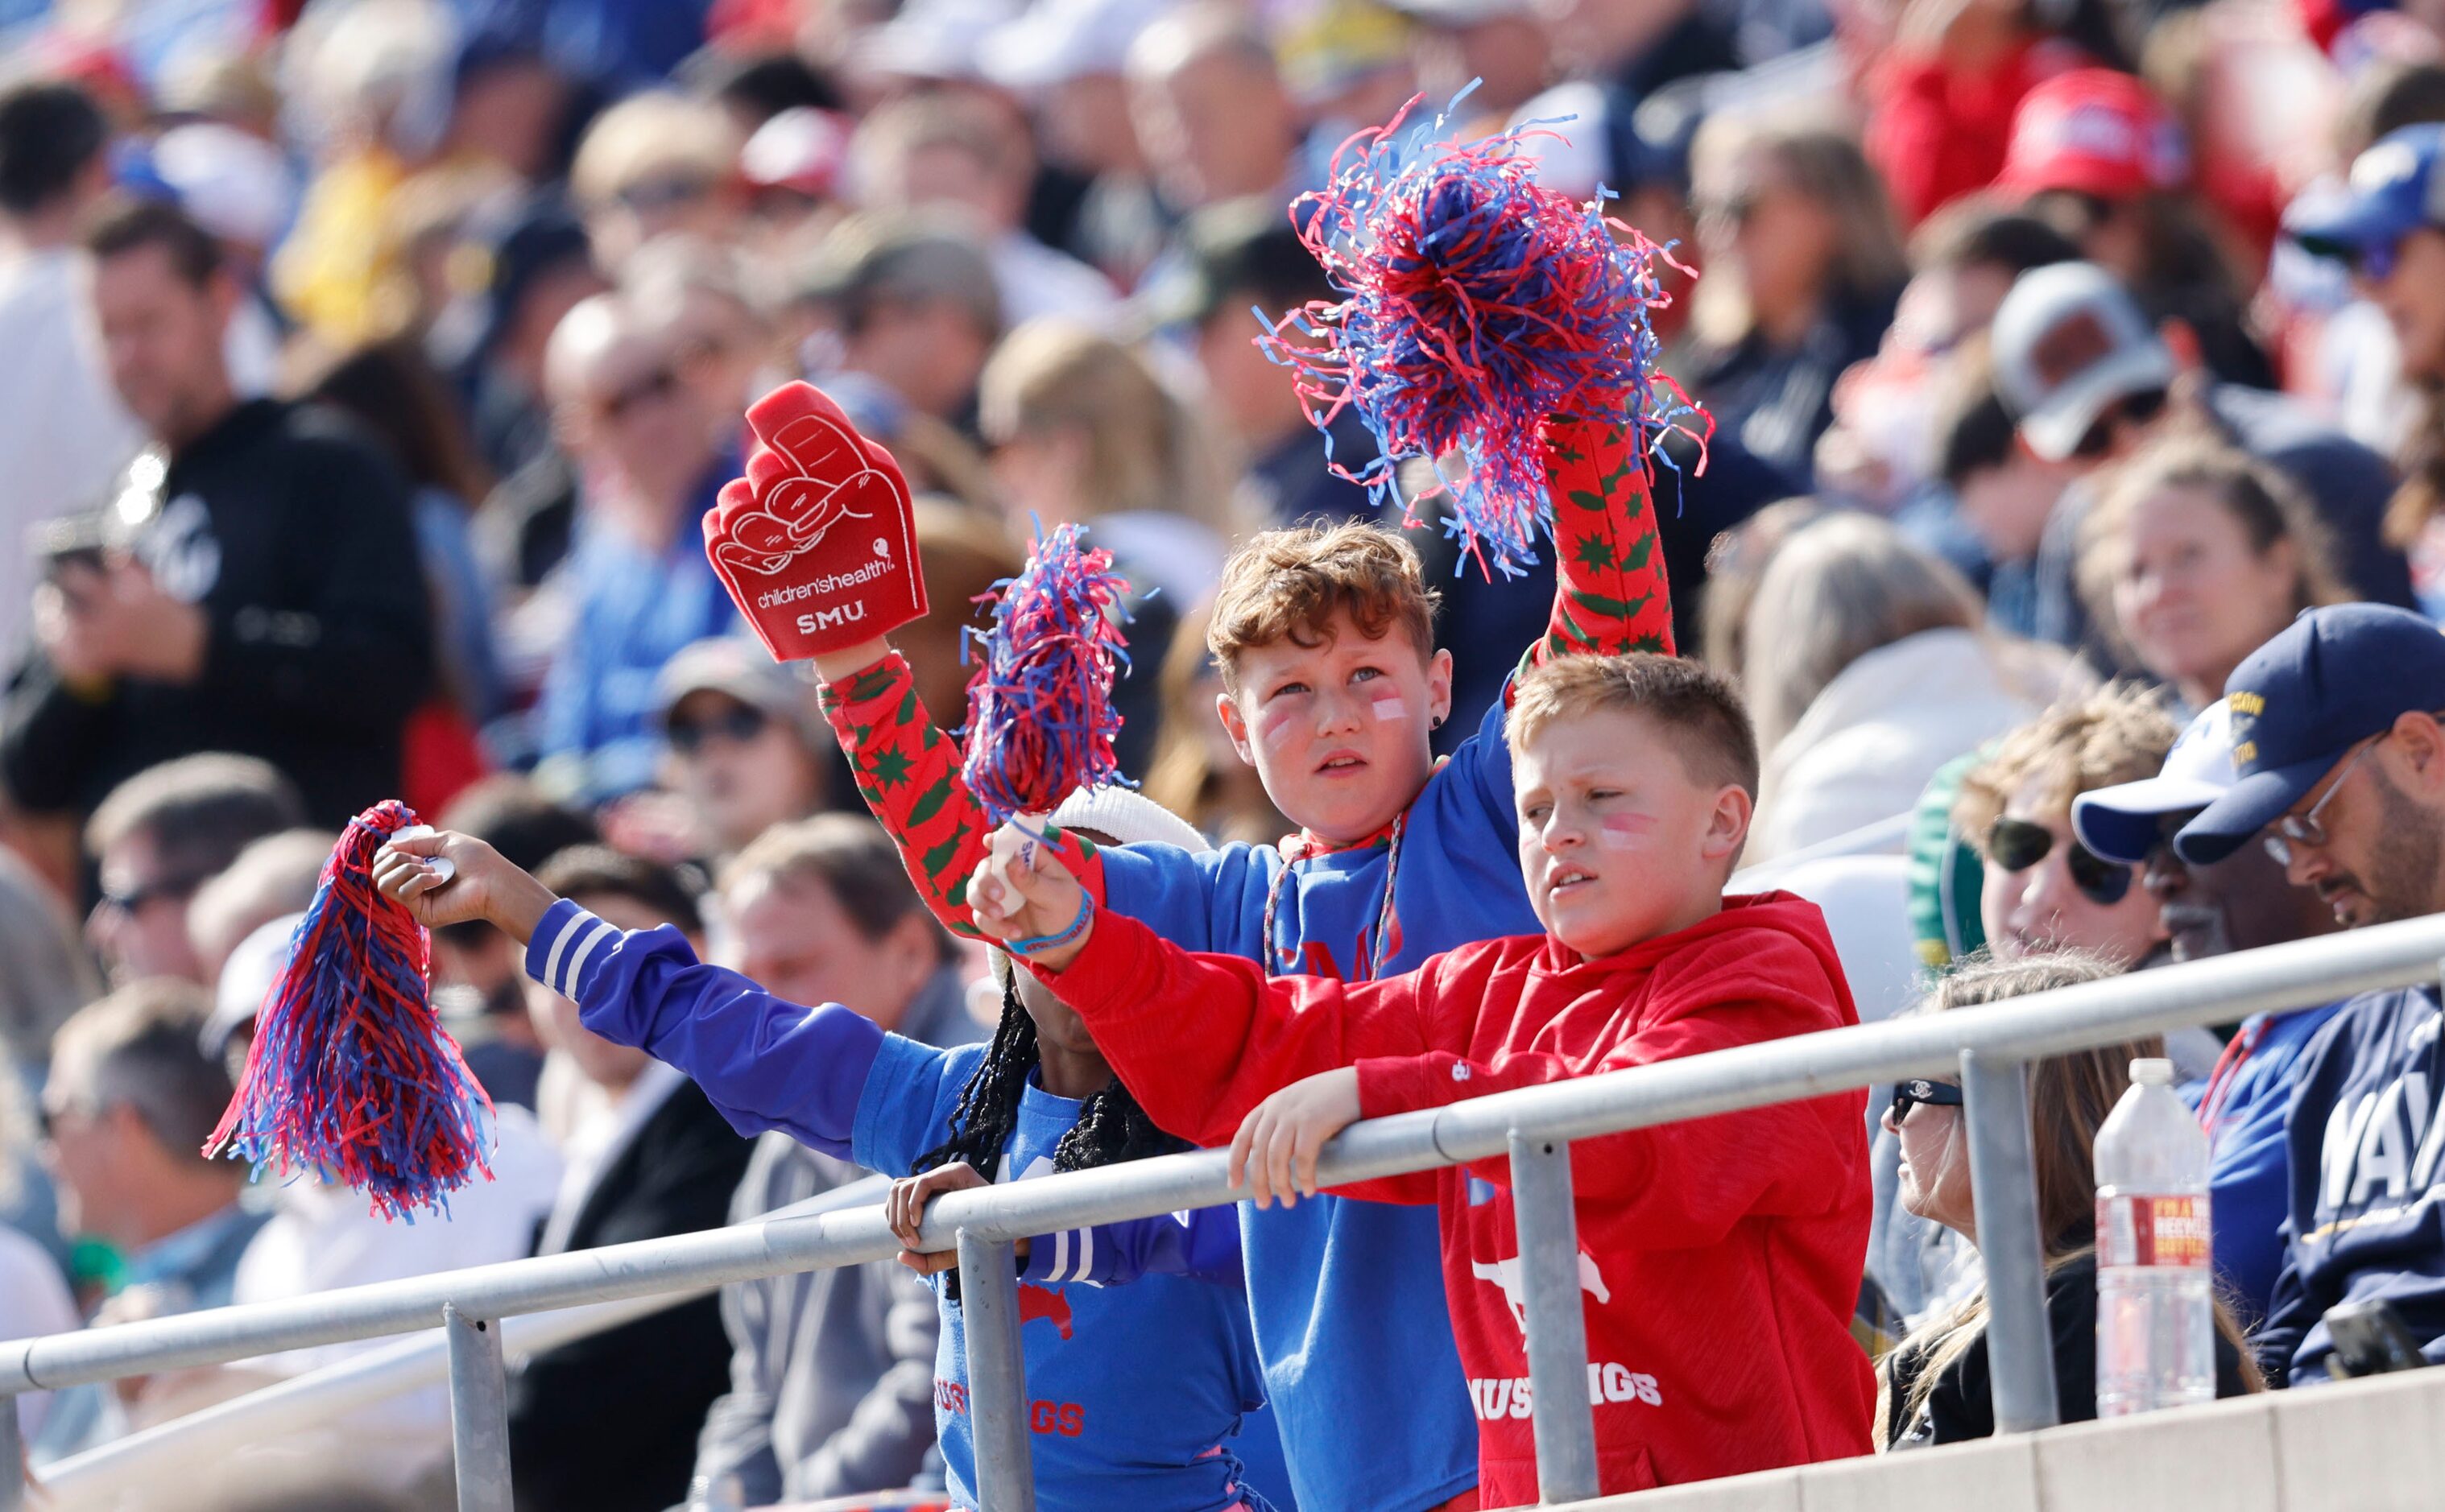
816	543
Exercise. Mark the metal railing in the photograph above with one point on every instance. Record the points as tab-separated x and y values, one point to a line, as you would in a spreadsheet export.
1988	1047
330	1392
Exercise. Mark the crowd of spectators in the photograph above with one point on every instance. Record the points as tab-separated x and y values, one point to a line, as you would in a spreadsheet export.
378	360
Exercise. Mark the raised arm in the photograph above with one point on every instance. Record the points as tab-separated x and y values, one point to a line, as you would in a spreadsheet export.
908	774
1610	594
765	1063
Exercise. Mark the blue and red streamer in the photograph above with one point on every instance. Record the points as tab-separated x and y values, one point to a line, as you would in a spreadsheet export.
1476	304
351	1077
1040	715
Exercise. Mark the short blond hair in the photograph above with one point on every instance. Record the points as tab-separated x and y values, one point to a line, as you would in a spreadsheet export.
1697	704
2119	734
1287	585
656	132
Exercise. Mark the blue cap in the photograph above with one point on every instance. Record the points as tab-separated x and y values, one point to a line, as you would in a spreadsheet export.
2329	679
2125	822
2395	189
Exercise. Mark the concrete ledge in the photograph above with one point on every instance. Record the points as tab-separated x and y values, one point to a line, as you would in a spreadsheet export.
2220	1456
2375	1445
1999	1475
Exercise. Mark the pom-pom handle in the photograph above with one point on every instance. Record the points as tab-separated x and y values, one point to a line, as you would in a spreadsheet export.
351	1077
1040	716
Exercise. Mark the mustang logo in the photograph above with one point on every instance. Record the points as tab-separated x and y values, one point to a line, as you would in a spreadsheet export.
1505	1273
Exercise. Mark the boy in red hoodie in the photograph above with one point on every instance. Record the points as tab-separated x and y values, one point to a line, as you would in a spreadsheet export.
1720	1257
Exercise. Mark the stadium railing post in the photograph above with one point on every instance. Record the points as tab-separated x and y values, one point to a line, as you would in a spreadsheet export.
1552	1274
12	1459
479	1411
2003	1173
997	1374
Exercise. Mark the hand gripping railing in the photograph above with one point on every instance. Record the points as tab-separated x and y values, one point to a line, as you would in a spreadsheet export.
1987	1046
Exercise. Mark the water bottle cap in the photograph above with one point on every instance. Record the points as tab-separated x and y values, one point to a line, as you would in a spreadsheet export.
2151	1071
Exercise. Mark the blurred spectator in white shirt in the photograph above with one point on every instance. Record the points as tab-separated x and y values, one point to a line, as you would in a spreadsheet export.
64	434
34	1298
323	1236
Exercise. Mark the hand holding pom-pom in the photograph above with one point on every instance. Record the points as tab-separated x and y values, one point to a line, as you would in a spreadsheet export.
1021	893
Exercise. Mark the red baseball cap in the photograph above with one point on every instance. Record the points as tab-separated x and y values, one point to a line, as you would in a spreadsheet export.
2096	132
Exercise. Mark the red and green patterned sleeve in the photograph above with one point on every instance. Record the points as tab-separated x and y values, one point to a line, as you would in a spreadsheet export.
1608	595
908	774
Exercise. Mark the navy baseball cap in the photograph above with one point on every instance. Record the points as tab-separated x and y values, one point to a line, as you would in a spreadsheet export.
2395	189
2329	679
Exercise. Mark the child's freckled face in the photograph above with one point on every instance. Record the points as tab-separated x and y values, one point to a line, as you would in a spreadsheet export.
1339	731
1618	842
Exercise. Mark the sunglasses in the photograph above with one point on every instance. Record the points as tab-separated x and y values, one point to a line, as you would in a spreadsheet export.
1735	209
739	724
2016	845
132	900
2133	409
1916	1090
658	384
664	192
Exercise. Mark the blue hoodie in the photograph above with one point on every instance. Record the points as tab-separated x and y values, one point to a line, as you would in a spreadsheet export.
2364	1140
2248	1165
1136	1393
1348	1296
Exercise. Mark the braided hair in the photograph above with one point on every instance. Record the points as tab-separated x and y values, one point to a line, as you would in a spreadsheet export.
1110	1128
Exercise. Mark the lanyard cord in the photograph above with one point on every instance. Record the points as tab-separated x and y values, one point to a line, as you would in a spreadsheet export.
1374	964
2227	1070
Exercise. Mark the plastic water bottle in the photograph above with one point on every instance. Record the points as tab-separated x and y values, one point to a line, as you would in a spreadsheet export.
2156	1315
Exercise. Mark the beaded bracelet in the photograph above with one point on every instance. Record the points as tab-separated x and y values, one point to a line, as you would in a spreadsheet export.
1054	942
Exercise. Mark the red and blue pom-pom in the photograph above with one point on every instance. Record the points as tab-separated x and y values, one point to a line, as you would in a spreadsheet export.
351	1075
1040	716
1476	304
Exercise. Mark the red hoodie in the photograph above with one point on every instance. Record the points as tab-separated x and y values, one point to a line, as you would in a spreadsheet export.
1720	1258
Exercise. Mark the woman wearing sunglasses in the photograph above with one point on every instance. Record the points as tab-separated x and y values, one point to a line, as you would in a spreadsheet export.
1934	1387
2043	890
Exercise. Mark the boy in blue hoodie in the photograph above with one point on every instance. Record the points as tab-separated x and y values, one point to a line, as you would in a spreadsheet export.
2341	763
1324	637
